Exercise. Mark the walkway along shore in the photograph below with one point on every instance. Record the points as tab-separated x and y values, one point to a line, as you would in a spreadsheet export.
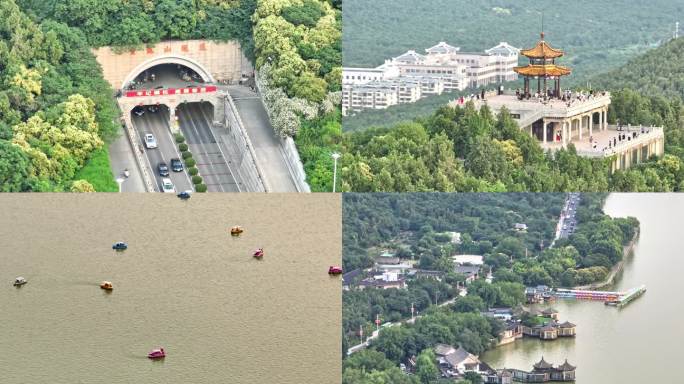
610	279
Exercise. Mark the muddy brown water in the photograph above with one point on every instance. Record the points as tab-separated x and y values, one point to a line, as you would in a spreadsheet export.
184	284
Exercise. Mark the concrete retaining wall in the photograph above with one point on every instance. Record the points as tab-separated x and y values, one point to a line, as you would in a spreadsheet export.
295	164
240	150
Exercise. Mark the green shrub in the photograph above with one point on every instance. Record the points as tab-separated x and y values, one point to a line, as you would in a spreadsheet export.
186	154
193	171
183	147
190	162
179	138
197	179
200	188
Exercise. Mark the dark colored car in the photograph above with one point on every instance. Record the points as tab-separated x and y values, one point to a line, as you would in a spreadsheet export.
153	108
163	169
176	165
139	111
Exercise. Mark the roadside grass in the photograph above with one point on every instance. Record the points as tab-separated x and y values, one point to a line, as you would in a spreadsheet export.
98	172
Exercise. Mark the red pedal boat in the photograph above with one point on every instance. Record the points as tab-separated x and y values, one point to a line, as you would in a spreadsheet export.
333	270
259	253
157	353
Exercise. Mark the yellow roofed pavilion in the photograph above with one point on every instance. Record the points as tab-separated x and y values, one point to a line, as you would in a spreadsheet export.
543	65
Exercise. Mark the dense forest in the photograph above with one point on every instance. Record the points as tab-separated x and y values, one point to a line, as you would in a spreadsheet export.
412	226
296	44
56	109
465	150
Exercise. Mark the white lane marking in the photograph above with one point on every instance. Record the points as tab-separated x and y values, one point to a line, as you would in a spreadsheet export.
210	124
201	146
175	149
145	150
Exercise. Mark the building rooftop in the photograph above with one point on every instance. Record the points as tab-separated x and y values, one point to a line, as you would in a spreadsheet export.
410	57
543	70
442	48
543	364
503	49
566	366
467	269
542	50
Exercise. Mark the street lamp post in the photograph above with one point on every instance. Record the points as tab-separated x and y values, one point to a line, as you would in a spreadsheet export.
119	181
335	156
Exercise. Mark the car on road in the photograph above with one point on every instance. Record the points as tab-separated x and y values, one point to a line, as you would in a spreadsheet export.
138	111
177	165
150	141
163	169
167	186
153	108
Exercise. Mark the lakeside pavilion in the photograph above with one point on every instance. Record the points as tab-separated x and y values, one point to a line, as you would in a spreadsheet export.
542	65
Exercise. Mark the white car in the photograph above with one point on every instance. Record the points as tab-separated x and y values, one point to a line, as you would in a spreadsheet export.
167	186
150	141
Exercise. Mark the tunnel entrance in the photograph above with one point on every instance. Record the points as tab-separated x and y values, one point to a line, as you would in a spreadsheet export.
165	76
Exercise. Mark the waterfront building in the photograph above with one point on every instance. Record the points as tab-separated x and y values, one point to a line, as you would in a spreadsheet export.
412	76
550	313
511	332
567	329
558	117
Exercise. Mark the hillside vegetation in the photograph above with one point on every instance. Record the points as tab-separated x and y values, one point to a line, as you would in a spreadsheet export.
55	108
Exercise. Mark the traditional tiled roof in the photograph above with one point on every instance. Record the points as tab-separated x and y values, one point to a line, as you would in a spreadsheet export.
443	349
461	356
542	51
442	47
542	364
467	269
566	366
549	311
543	70
503	48
567	324
410	57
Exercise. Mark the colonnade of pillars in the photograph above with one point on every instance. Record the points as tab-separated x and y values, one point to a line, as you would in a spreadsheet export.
566	129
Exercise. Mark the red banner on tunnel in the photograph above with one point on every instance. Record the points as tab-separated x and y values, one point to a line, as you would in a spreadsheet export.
170	91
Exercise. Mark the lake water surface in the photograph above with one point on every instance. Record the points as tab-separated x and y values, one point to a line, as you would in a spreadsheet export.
184	284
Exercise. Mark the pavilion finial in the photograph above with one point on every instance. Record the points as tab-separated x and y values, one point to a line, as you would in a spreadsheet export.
542	26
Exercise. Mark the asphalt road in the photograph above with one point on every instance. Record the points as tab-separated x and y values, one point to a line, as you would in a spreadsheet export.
158	124
195	123
569	223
